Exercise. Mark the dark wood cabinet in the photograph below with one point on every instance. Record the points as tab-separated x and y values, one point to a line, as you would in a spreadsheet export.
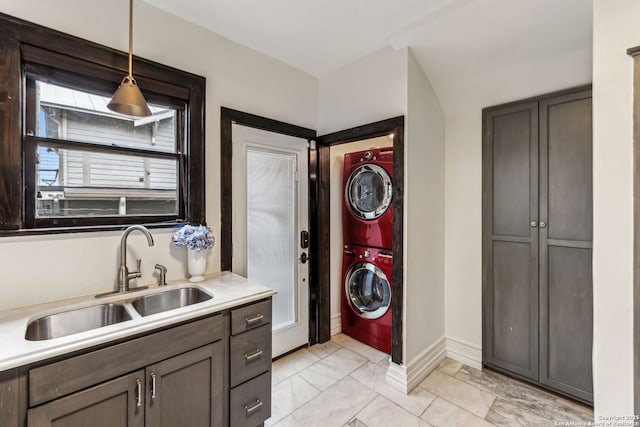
186	390
250	365
178	376
537	241
110	404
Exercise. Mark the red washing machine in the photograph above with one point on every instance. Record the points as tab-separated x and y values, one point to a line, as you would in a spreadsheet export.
366	300
367	217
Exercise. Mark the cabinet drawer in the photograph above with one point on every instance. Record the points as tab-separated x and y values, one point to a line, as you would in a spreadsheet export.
250	403
250	354
250	317
75	373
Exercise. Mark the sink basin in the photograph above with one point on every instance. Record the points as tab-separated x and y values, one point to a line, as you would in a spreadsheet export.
71	322
169	300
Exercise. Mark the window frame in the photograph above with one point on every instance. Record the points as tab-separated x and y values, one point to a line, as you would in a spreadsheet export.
32	52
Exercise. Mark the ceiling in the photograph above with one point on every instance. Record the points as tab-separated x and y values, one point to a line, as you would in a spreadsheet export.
448	37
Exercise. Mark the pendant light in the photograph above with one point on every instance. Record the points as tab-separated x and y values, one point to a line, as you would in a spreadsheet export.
128	99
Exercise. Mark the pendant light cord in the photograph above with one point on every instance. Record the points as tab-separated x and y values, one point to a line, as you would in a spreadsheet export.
130	39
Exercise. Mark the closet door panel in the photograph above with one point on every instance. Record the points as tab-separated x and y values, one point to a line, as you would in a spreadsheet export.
515	309
569	185
512	173
566	290
510	243
569	315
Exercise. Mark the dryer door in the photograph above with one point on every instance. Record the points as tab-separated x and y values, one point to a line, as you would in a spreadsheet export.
368	290
368	191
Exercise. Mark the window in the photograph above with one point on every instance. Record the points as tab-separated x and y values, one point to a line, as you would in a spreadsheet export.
83	166
91	162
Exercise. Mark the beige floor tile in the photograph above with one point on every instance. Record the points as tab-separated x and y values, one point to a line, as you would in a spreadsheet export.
462	394
449	366
504	413
291	364
364	350
324	349
289	422
373	375
328	371
445	414
336	405
384	413
289	395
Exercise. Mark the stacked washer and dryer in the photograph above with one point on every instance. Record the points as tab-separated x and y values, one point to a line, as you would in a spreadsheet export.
367	222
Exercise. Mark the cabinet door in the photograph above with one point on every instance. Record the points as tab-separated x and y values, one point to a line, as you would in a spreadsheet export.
566	290
510	239
115	403
186	390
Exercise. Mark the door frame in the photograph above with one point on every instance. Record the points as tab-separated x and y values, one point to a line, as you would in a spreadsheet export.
322	215
319	216
228	117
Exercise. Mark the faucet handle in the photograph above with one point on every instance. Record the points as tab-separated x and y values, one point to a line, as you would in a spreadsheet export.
138	265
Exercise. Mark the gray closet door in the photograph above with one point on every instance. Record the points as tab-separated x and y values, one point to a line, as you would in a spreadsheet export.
566	291
537	241
510	242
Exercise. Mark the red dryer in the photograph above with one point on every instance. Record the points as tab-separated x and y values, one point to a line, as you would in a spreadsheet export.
366	301
367	214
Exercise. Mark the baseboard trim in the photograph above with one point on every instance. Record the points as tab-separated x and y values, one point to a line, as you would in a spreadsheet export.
464	352
336	324
406	378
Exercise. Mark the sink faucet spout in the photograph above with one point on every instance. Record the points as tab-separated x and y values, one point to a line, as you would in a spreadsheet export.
124	275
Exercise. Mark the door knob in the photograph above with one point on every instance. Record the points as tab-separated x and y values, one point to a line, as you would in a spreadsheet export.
543	224
534	224
304	258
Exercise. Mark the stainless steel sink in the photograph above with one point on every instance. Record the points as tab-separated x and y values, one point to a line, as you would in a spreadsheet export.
71	322
169	300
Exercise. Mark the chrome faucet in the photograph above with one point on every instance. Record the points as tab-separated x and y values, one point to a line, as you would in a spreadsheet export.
124	274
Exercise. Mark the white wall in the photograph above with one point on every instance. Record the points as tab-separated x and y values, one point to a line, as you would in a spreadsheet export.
615	30
38	269
463	183
424	216
336	208
367	90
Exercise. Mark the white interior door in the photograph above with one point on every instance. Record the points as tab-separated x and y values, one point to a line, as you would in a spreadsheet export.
270	211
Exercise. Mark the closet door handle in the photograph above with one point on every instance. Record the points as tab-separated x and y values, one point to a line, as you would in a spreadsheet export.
534	223
543	224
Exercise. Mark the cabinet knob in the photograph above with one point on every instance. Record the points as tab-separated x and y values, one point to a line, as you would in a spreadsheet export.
251	409
250	356
543	224
534	223
257	318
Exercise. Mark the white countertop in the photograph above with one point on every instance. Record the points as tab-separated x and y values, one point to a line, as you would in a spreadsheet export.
228	290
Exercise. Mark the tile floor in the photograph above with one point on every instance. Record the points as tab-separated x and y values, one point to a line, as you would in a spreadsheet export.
342	383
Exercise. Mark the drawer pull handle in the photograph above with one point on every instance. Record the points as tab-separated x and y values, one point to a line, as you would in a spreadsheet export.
251	409
253	355
138	393
256	319
153	385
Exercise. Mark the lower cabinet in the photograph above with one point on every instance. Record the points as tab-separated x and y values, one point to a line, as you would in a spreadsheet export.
209	372
110	404
185	390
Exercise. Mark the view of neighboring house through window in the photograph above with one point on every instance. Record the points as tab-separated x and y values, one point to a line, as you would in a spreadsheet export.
94	162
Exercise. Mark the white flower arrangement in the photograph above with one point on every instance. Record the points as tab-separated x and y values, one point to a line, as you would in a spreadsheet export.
194	237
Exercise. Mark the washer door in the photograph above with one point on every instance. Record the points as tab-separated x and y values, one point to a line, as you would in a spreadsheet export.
368	191
368	290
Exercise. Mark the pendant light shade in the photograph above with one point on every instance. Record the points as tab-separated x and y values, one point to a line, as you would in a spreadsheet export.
128	98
